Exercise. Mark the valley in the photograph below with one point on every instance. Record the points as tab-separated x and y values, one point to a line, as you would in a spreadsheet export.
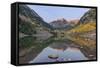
37	36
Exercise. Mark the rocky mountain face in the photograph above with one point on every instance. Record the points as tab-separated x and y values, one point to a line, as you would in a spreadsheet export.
60	23
24	10
89	16
63	23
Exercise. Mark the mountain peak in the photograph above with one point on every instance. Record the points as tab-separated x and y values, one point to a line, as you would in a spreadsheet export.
64	23
60	21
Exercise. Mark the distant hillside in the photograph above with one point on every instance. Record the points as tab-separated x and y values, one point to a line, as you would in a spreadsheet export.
83	28
87	22
29	21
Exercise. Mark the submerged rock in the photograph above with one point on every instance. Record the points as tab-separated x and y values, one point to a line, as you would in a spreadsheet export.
53	56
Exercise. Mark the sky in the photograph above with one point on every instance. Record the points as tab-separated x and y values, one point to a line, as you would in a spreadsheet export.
50	13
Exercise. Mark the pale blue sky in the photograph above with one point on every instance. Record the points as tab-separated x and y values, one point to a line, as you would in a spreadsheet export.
50	13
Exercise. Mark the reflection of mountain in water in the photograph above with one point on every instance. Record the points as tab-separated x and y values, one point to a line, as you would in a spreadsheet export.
57	46
63	51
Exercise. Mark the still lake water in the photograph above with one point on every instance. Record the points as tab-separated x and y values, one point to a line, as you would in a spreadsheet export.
62	52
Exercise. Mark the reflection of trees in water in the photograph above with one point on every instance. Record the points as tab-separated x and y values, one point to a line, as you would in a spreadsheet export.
87	46
29	47
91	54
